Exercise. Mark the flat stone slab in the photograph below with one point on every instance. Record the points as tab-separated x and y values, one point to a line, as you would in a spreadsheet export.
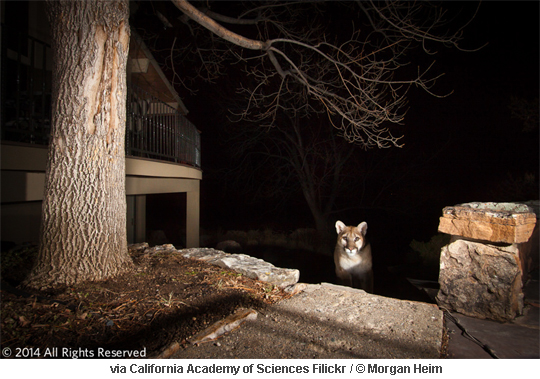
246	265
508	340
332	322
494	222
413	329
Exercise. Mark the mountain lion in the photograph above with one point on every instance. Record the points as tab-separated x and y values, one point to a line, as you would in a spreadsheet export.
352	256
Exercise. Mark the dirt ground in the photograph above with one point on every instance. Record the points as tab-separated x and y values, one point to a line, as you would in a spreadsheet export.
166	298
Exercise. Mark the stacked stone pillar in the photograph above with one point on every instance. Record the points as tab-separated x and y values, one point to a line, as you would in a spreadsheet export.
493	248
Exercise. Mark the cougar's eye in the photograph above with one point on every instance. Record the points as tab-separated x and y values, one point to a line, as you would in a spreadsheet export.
344	238
356	239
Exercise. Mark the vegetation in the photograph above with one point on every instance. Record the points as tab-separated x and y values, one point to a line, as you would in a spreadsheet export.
427	254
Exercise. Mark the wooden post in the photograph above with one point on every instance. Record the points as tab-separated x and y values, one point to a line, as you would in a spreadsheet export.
193	216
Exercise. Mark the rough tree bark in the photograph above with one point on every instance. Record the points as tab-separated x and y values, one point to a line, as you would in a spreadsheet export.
83	227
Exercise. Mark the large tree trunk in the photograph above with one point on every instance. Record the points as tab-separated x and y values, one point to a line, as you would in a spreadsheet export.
83	227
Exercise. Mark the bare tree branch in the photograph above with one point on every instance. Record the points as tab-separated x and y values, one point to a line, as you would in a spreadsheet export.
215	28
354	79
229	20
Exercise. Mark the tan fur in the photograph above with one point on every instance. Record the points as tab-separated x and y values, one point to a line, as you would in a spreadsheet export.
352	256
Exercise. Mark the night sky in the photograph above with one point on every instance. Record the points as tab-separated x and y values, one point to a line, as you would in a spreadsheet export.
462	148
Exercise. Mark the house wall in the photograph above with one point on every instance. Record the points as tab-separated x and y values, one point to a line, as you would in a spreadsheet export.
23	180
21	222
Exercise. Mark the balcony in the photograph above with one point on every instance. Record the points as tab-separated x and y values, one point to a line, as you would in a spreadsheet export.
154	129
158	131
162	147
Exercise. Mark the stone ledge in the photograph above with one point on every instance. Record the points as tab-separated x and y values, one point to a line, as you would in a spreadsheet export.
246	265
251	267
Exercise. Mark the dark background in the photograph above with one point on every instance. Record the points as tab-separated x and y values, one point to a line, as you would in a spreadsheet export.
461	148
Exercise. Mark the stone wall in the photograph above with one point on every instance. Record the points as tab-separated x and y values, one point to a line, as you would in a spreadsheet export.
494	247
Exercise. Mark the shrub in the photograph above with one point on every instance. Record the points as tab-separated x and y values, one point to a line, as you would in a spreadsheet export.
429	253
17	262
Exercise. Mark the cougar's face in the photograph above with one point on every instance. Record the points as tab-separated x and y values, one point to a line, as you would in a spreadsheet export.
351	242
351	238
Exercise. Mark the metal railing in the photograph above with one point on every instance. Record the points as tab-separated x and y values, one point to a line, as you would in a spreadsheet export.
156	130
153	128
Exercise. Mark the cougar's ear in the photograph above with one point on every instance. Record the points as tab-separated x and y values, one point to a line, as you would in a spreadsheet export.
362	228
339	226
